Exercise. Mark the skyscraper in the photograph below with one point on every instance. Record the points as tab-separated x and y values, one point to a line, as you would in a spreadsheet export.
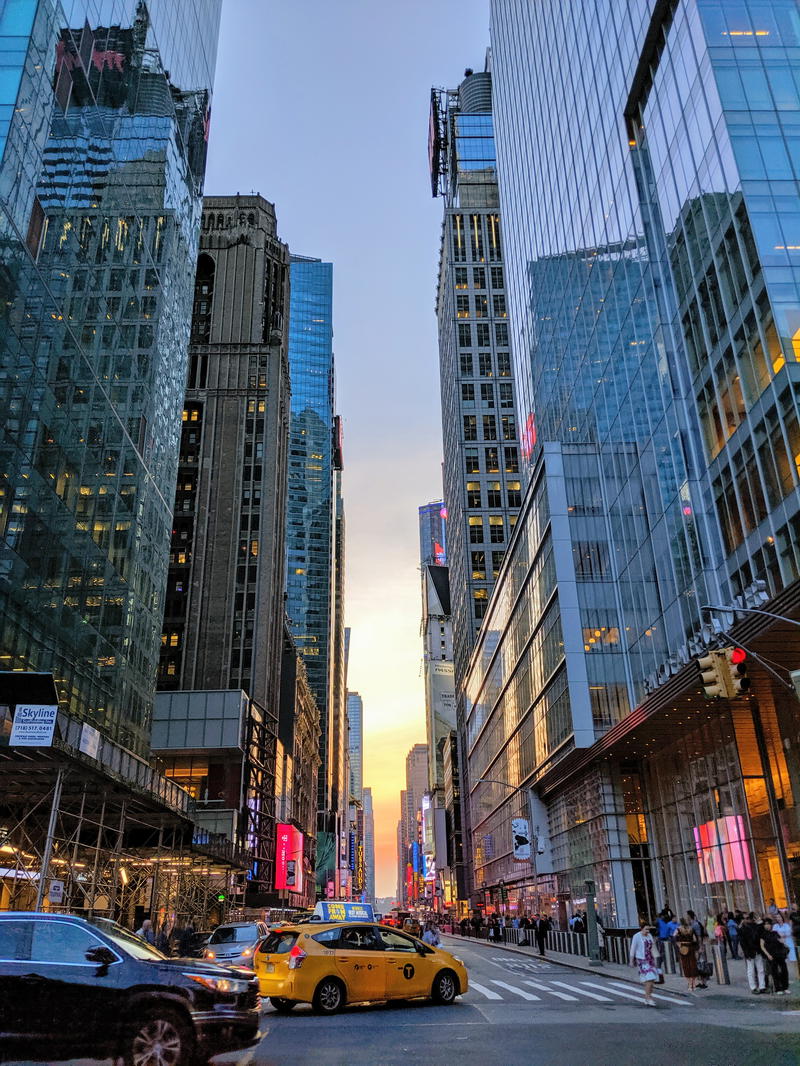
355	732
103	158
224	617
433	534
655	330
369	845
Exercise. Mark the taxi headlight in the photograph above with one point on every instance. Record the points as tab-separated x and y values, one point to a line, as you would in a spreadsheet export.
226	985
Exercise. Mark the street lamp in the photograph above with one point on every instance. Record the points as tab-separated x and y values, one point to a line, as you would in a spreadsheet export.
733	609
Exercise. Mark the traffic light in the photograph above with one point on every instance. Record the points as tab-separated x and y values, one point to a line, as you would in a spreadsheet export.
737	669
221	897
714	670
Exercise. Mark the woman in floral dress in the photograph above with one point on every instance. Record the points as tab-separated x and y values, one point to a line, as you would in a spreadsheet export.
645	956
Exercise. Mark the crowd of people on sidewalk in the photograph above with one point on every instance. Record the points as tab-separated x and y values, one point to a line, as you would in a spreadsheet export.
767	944
534	926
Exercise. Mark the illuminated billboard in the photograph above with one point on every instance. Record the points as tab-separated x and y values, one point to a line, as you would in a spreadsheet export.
289	859
722	850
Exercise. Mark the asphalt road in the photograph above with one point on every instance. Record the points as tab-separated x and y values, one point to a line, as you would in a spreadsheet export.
525	1012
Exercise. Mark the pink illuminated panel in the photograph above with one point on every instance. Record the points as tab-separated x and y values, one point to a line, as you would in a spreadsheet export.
722	851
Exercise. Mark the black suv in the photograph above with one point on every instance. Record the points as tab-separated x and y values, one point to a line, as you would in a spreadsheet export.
71	986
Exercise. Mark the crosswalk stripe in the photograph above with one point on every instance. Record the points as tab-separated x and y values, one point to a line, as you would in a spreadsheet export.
484	991
584	992
667	999
552	991
615	991
517	991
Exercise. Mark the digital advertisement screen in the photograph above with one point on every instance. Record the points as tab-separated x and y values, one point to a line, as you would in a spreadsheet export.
289	858
723	853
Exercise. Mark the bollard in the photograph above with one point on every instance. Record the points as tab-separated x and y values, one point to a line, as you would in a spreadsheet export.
720	965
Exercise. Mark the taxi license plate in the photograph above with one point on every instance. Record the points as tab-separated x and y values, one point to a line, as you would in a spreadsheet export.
270	967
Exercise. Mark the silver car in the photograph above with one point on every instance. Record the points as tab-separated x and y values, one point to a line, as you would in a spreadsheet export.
233	944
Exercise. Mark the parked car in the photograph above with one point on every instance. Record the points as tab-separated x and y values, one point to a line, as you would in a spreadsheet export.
70	987
234	943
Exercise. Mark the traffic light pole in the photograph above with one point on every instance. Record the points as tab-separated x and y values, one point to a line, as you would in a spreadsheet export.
730	609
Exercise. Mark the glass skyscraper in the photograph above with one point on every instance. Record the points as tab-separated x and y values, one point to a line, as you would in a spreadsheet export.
310	510
648	159
103	127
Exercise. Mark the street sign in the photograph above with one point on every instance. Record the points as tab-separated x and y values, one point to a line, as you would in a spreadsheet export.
34	725
55	892
521	838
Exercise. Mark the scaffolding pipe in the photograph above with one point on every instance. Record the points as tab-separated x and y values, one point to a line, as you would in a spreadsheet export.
51	833
98	845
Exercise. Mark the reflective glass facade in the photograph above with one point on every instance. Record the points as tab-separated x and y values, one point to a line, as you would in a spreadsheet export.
105	110
646	156
310	510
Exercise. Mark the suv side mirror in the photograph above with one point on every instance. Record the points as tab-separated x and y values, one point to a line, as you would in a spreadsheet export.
101	955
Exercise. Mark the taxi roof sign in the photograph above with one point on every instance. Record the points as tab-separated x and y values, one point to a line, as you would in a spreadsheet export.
330	910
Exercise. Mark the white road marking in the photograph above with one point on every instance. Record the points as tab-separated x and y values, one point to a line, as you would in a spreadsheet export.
517	991
667	999
484	991
615	991
552	991
584	992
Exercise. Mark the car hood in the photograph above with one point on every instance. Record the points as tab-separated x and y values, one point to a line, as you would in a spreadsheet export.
212	969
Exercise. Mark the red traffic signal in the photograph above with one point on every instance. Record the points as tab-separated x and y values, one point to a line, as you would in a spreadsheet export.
738	655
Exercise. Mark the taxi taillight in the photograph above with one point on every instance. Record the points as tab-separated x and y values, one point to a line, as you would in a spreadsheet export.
296	956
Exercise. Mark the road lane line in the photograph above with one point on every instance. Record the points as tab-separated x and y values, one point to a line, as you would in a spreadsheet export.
667	999
484	991
584	992
517	991
552	991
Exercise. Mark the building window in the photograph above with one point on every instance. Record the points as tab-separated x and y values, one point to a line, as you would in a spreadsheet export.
487	395
485	364
501	334
475	530
459	243
514	494
470	427
478	566
462	306
506	395
481	306
484	336
471	461
499	306
497	562
489	427
509	427
503	364
494	497
492	461
497	278
497	533
479	277
473	494
464	335
512	460
476	238
493	229
480	599
462	281
468	395
466	364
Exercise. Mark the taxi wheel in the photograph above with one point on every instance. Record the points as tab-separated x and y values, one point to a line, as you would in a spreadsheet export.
329	996
445	987
281	1005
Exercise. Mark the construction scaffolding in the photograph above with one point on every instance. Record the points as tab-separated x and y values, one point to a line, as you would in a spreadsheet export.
106	835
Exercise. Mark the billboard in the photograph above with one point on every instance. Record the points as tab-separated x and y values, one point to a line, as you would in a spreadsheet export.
521	839
289	859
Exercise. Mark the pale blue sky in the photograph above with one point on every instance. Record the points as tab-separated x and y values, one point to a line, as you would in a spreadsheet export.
322	107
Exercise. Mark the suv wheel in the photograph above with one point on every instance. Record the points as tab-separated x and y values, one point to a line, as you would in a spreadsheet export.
159	1037
329	996
281	1005
445	987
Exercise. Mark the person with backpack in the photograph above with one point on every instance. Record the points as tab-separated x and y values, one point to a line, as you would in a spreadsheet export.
775	951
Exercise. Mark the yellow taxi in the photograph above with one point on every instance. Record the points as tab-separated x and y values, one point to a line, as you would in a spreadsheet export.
331	964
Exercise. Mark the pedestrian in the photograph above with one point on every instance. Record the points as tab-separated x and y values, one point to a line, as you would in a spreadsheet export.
702	936
662	932
688	944
578	925
431	935
775	951
464	926
772	909
645	956
163	939
750	943
783	927
515	922
145	931
720	935
733	934
541	928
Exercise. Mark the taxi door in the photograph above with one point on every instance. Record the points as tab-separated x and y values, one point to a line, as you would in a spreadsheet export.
408	973
359	960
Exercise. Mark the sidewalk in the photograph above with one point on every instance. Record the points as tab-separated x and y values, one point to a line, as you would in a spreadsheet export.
737	990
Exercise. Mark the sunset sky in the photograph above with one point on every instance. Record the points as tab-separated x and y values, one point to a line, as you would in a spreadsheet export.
323	109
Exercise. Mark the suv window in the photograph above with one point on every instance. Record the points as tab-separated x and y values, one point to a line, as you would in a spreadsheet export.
15	941
360	938
278	943
62	943
235	934
397	942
